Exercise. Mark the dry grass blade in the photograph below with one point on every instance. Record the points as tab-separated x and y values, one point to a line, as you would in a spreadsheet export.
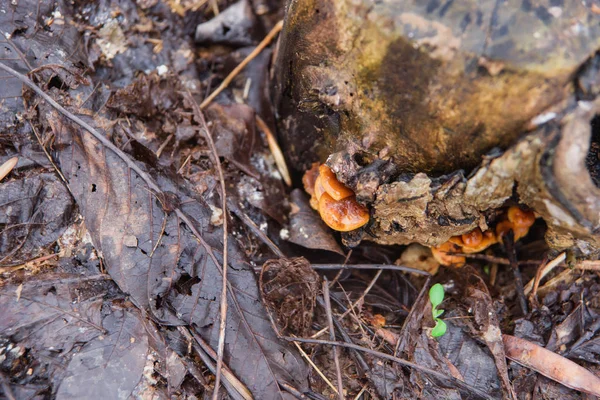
551	365
545	270
312	364
261	46
8	166
275	150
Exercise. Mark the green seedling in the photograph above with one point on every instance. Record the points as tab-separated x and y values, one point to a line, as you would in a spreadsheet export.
436	296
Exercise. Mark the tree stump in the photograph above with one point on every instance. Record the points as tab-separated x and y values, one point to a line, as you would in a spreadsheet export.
400	97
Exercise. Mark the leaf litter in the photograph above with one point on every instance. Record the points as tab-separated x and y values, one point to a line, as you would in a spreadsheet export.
112	280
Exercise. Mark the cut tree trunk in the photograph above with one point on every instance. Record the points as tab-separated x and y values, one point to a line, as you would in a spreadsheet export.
400	97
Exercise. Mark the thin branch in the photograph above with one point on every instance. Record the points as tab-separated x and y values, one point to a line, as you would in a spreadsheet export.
588	265
458	383
353	305
336	357
509	245
293	391
256	230
234	386
413	315
223	317
387	267
261	46
542	271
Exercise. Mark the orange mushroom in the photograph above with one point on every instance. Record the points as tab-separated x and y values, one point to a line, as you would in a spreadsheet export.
519	221
342	215
443	254
473	238
478	241
332	186
309	178
335	202
521	218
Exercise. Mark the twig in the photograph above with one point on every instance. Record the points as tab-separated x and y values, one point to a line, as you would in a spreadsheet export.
341	271
164	144
542	271
358	358
265	42
364	388
234	386
58	171
588	265
312	364
223	318
353	305
188	158
429	371
413	315
275	150
509	245
364	294
101	138
27	263
387	267
336	357
293	391
256	230
494	259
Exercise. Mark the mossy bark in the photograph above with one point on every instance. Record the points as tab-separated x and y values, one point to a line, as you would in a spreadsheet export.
431	85
400	97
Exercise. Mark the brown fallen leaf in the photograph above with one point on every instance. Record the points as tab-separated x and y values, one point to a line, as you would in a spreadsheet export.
551	365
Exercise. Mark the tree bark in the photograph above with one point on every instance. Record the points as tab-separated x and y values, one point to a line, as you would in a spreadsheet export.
400	97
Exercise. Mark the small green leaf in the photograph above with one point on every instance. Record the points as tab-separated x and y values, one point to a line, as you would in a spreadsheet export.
436	295
439	329
486	269
437	313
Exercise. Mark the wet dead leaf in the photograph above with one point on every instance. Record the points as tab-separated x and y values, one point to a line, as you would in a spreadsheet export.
306	227
169	273
88	346
551	365
34	211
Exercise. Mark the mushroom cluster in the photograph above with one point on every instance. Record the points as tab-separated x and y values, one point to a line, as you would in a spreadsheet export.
335	202
516	220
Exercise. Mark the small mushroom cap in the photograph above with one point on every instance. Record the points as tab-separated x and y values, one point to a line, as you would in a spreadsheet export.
319	189
309	178
333	187
520	218
443	255
342	215
486	242
473	238
519	231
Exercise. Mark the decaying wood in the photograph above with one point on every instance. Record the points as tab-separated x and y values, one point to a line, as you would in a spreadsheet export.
393	95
